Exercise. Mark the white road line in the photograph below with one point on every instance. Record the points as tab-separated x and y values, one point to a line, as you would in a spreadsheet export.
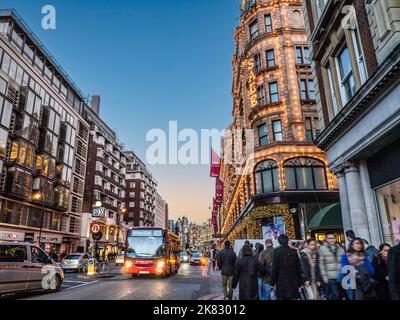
80	285
74	281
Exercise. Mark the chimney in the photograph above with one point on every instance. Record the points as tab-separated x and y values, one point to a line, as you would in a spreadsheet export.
95	104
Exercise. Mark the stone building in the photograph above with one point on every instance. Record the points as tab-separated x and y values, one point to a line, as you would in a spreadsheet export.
355	49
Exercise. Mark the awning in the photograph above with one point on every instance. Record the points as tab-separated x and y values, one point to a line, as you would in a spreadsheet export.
327	218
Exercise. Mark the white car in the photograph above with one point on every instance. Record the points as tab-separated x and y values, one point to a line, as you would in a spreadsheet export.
119	261
26	267
76	262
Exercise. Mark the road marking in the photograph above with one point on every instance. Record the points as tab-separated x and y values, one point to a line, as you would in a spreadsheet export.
80	285
74	281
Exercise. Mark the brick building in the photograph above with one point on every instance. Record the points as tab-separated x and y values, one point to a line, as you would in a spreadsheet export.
140	192
105	182
287	184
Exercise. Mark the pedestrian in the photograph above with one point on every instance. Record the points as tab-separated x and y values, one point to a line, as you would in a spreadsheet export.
259	248
286	271
226	261
247	242
245	275
381	272
310	269
394	272
350	235
370	251
214	253
364	271
330	266
265	262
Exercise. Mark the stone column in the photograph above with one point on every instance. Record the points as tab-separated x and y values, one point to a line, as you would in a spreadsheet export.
344	201
356	201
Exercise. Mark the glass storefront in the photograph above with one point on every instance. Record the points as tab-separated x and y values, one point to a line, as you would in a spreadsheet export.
388	198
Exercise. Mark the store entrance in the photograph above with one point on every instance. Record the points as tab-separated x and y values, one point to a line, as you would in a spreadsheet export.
388	198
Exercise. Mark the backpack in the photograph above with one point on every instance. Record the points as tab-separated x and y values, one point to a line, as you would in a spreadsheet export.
363	278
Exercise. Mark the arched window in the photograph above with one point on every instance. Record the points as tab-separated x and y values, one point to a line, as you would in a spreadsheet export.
266	177
305	174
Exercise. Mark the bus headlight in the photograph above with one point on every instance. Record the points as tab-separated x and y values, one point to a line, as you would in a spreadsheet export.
160	264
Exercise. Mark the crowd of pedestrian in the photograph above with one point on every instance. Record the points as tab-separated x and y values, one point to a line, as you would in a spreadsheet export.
311	270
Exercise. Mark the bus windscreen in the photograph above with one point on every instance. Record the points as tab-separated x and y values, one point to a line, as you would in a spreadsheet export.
145	244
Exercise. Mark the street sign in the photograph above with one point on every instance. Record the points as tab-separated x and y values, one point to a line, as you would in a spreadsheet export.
96	228
97	236
91	269
98	212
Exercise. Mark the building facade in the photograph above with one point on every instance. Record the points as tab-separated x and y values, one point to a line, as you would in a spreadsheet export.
206	236
141	190
284	183
43	143
105	185
356	68
161	212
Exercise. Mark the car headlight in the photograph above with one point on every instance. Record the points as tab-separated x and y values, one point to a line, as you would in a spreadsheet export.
128	264
160	264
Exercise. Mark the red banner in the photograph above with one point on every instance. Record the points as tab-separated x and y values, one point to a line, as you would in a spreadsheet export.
219	189
215	166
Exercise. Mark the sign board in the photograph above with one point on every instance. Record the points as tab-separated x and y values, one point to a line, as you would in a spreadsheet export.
98	212
97	236
48	238
96	228
12	236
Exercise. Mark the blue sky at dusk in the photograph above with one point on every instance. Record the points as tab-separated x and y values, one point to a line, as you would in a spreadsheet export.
151	62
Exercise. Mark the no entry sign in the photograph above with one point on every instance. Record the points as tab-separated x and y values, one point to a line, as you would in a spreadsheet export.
96	228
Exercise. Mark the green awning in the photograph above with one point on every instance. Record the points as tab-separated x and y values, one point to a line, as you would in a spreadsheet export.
327	218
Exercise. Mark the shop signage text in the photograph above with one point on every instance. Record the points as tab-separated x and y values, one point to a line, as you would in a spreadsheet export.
252	83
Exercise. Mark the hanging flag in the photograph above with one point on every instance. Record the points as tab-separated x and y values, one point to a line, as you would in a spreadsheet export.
219	189
215	166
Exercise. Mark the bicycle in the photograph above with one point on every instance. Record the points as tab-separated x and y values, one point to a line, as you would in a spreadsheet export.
102	267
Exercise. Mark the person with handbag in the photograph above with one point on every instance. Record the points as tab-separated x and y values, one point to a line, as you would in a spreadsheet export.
310	270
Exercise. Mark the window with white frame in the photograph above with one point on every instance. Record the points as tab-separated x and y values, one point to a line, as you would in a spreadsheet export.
359	55
346	75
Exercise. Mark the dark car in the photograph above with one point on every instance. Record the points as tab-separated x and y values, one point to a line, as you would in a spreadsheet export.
197	259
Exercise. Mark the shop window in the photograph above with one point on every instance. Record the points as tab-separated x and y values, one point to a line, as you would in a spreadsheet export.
266	177
305	174
10	212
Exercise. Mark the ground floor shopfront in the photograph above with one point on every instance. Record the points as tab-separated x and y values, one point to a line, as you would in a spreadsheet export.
291	213
51	242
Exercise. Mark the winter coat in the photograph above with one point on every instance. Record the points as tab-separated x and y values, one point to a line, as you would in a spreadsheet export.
371	253
226	261
265	260
394	272
307	274
245	275
329	263
286	273
382	285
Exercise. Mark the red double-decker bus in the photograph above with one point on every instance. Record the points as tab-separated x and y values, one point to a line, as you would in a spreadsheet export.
150	250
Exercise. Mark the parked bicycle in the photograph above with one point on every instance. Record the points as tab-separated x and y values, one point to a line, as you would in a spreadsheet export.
102	267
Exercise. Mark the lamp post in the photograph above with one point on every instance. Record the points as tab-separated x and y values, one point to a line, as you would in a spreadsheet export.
37	197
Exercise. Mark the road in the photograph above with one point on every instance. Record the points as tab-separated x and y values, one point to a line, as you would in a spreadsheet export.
191	283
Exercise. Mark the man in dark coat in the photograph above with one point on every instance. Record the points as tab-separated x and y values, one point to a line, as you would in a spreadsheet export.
393	267
286	271
226	261
245	274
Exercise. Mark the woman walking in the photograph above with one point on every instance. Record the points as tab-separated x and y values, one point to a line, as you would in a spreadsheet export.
381	272
363	270
310	269
245	275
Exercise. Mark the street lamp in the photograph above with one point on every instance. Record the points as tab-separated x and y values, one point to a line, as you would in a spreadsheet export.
98	204
37	196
